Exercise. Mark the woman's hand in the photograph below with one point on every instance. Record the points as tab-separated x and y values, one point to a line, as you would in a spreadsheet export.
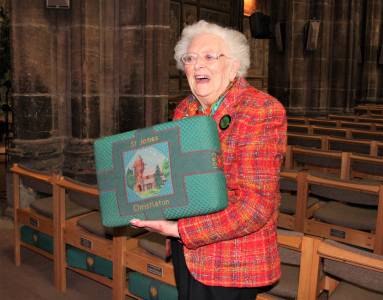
164	227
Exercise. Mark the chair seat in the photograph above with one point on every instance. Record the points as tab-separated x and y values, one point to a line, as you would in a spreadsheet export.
287	287
288	203
346	291
345	215
44	206
92	223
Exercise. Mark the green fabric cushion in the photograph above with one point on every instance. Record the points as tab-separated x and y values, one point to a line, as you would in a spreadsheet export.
167	171
36	238
148	288
80	259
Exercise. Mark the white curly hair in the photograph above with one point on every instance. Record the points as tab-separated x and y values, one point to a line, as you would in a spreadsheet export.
235	41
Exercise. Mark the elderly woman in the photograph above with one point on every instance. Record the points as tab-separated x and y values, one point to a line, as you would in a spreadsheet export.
232	253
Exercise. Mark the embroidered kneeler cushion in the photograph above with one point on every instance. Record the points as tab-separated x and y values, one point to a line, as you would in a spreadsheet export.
149	288
90	262
36	238
167	171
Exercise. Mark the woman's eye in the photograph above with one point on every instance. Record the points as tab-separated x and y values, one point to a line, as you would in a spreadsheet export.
189	59
209	57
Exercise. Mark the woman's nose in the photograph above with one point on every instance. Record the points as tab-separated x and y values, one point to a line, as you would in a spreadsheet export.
200	62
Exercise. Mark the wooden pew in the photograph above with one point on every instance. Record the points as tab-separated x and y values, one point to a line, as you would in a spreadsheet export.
299	261
291	211
350	273
89	248
351	211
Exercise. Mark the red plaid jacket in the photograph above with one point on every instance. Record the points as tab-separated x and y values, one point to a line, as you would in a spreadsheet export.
237	247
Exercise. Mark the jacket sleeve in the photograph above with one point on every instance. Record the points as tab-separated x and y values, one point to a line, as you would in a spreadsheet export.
259	140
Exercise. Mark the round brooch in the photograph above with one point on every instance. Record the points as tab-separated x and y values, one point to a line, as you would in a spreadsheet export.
224	122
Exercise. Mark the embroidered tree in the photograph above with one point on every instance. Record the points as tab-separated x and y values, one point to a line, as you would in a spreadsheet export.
130	179
157	177
165	168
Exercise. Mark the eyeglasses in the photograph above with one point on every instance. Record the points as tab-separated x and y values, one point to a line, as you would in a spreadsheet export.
207	57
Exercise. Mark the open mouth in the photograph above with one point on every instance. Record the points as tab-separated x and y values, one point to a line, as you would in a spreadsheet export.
202	78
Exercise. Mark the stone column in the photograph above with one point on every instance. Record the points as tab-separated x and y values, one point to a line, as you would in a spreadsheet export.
86	73
39	84
324	79
143	45
372	71
119	79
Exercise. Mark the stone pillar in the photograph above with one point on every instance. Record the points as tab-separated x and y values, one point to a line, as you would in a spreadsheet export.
119	79
39	84
143	66
372	70
345	42
86	73
325	79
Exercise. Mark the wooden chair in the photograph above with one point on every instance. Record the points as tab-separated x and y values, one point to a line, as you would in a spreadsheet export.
298	128
307	141
144	261
370	119
337	132
350	273
367	135
323	122
321	161
91	249
292	185
365	167
350	212
299	264
36	226
369	109
353	146
379	151
297	120
356	125
350	118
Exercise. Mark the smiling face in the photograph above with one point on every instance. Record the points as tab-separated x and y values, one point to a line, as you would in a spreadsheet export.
208	80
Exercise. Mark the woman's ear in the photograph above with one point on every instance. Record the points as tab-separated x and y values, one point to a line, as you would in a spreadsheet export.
234	68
